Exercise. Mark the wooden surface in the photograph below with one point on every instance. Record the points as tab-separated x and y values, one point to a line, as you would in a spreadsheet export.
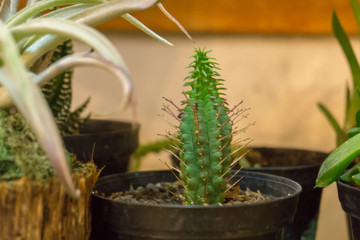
245	16
43	211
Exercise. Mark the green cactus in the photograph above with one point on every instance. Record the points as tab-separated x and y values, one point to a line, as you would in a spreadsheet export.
205	134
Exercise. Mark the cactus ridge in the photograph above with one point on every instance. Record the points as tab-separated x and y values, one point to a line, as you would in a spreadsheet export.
205	134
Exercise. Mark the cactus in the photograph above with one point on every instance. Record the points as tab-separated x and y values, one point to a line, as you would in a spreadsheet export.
205	134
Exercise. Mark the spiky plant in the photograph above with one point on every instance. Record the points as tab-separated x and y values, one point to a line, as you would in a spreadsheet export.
205	133
58	93
27	35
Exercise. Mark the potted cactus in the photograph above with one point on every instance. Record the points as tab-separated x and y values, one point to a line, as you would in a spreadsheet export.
204	135
44	194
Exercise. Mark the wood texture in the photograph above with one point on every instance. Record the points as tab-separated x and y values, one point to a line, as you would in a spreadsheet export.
43	211
244	16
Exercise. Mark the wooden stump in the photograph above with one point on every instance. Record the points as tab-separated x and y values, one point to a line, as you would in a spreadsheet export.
44	211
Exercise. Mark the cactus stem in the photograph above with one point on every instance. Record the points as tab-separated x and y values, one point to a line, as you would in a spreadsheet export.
224	137
222	147
218	113
222	125
237	181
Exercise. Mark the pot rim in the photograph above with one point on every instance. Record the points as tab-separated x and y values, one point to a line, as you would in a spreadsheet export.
276	179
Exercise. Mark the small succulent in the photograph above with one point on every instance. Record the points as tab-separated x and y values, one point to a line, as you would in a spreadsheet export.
205	134
58	94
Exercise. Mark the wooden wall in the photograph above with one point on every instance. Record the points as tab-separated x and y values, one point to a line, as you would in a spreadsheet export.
245	16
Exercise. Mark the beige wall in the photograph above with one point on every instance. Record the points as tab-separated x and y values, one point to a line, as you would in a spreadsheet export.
280	78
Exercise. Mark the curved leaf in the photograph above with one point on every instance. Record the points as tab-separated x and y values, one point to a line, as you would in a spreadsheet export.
79	59
29	100
30	11
338	161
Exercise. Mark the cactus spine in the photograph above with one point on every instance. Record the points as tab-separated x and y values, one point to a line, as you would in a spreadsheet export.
205	134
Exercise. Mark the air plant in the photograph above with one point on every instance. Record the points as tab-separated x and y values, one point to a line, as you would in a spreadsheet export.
206	130
348	137
27	39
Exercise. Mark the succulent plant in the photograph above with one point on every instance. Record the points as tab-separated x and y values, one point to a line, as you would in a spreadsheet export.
205	134
28	37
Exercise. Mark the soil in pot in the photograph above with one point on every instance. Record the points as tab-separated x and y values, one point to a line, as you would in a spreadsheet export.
109	143
118	219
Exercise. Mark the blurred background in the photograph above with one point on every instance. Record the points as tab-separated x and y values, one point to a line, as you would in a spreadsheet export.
280	57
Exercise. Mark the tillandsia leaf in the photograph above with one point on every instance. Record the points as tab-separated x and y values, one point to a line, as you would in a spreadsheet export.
145	29
67	30
205	134
340	135
29	100
162	8
85	59
83	33
29	12
338	161
8	8
111	9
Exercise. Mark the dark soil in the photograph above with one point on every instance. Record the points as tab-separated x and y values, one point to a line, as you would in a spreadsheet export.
172	193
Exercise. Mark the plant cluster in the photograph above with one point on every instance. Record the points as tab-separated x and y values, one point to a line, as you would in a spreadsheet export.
347	137
28	39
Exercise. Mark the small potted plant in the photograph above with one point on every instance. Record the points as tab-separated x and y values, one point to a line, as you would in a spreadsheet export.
342	164
204	181
43	193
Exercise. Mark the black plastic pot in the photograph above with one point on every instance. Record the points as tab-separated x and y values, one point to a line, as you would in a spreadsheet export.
114	219
301	166
109	142
349	197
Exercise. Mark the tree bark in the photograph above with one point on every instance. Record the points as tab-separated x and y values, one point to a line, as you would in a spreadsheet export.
43	210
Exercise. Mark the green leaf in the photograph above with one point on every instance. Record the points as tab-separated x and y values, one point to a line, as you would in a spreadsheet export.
356	178
356	10
338	161
347	49
347	176
352	132
340	134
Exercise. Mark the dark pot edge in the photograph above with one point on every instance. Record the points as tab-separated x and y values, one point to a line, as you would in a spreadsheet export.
296	186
